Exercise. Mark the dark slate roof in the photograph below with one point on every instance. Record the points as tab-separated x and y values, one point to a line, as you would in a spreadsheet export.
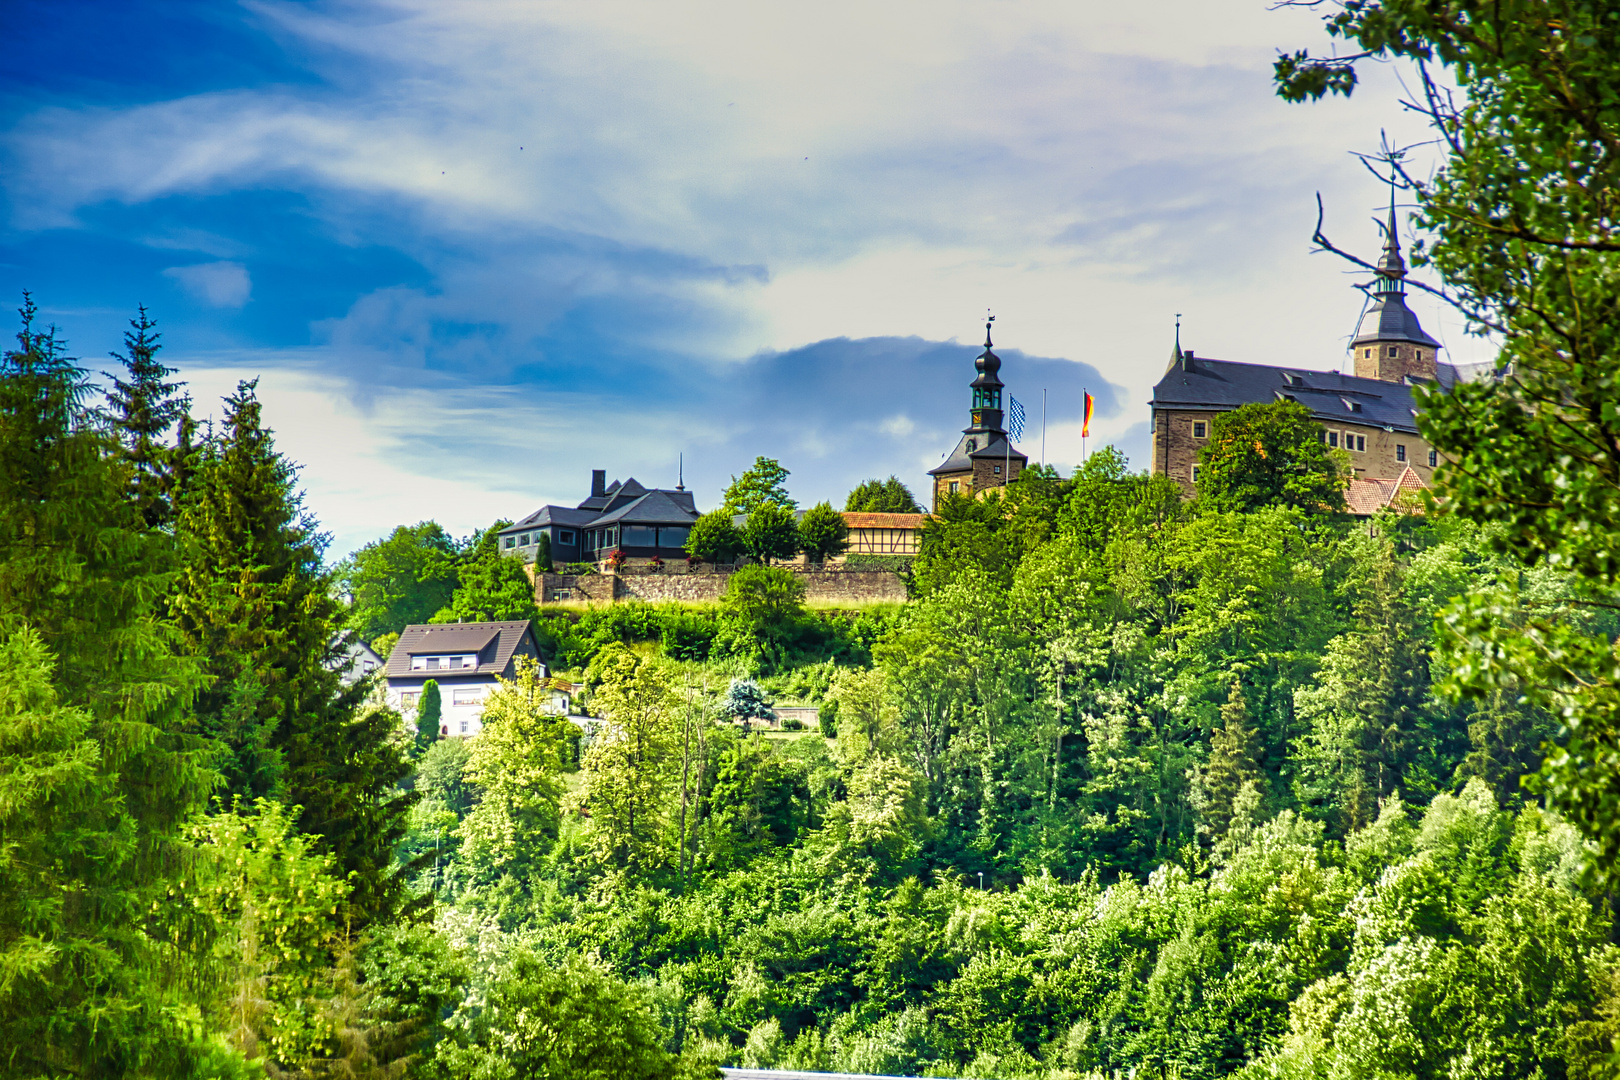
552	515
652	508
1389	319
494	642
960	460
1226	384
627	501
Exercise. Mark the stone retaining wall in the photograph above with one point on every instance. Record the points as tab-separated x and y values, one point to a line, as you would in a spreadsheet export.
708	586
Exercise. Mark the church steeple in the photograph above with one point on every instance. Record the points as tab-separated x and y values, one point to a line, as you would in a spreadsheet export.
986	413
1390	344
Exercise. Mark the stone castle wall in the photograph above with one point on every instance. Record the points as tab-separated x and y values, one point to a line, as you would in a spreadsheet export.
708	586
1176	447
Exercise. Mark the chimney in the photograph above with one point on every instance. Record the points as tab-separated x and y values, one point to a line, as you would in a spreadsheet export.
598	483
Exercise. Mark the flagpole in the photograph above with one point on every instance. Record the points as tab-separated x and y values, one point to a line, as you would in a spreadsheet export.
1083	395
1043	429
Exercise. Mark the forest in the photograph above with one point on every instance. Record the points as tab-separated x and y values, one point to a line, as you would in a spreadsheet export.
1132	784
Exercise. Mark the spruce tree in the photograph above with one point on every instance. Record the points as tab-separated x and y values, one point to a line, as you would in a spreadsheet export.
143	411
95	778
255	604
1232	763
429	710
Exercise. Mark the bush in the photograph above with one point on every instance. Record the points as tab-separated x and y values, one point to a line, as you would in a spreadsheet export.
687	636
899	564
764	595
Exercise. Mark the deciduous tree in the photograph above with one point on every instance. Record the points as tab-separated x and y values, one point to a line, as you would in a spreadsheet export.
823	532
402	579
714	537
882	497
1269	454
770	533
1521	228
631	763
765	484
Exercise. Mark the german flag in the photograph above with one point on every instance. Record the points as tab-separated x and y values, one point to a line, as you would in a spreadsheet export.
1085	426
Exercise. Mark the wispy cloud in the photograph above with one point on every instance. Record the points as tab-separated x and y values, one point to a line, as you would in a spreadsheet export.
218	284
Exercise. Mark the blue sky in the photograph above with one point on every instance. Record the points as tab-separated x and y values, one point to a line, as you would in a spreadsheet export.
473	251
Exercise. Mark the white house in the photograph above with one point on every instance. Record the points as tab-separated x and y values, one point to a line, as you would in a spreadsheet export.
464	659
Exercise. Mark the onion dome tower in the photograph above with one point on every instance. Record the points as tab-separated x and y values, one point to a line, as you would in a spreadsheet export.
1390	344
986	413
984	457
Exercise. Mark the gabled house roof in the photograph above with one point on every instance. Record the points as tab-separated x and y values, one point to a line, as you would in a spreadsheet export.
652	508
1365	496
495	643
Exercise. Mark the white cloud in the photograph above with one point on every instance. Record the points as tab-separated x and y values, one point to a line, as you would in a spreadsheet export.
217	284
718	181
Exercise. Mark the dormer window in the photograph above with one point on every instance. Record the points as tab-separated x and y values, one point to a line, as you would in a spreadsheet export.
456	662
973	444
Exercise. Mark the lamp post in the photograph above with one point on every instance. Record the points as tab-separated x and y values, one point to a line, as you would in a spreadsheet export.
981	881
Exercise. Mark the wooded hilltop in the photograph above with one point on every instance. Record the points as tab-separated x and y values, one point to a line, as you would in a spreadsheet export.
1130	785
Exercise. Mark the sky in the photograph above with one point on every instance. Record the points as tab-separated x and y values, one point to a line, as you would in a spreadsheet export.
472	251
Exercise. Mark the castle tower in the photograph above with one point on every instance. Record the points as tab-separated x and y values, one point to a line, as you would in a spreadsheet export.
1390	343
984	457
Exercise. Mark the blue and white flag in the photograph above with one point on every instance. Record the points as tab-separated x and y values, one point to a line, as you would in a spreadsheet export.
1015	418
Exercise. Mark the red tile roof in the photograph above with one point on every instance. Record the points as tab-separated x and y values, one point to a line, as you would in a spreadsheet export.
1367	495
883	521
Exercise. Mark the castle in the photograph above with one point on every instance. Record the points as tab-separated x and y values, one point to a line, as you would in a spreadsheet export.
1371	415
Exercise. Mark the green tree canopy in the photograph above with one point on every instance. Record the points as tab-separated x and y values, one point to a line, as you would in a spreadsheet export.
882	497
400	580
823	531
561	1022
492	587
96	780
765	484
770	533
1269	454
1521	227
764	595
515	764
255	604
714	537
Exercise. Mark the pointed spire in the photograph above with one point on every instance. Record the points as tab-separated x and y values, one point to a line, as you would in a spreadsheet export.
1175	353
1391	267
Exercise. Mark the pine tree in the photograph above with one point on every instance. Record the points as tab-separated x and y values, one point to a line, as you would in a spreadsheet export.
144	410
429	710
255	604
1232	763
95	780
